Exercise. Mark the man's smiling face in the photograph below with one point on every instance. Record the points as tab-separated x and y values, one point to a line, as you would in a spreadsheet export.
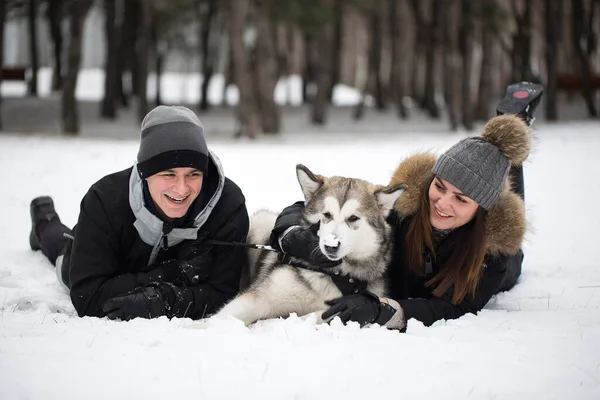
173	191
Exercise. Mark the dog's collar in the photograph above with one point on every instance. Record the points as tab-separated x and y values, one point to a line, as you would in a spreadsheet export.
345	284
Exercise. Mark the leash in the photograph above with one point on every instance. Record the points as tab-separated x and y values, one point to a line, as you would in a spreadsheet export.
241	244
345	284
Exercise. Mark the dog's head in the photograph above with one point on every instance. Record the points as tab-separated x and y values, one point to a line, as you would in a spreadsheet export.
351	213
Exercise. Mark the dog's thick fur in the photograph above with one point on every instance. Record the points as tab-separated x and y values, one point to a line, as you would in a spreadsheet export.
353	228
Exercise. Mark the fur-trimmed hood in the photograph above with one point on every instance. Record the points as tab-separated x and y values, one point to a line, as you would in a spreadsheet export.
505	224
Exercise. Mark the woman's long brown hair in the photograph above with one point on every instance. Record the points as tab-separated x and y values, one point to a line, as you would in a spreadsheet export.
464	265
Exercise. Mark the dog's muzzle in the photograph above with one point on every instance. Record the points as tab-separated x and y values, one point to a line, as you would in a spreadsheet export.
331	251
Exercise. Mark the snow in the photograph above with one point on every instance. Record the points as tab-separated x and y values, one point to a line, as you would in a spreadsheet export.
539	341
331	240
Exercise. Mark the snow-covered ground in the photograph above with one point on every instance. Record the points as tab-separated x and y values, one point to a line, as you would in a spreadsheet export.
539	341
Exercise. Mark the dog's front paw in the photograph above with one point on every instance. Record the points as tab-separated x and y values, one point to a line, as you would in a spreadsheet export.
318	315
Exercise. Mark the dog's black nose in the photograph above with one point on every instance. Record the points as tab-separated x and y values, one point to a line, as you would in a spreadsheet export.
332	249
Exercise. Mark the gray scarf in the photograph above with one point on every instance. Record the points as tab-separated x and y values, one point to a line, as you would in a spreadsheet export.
150	227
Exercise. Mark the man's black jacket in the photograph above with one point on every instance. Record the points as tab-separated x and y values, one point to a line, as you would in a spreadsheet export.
108	257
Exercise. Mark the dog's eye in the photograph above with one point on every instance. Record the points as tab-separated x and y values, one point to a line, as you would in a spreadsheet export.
353	218
327	215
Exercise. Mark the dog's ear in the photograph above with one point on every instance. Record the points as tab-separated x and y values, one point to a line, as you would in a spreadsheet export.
387	196
309	182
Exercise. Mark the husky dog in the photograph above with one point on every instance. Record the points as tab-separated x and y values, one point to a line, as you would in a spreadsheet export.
352	215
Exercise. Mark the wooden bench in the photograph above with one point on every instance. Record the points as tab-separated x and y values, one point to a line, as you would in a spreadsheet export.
572	82
14	74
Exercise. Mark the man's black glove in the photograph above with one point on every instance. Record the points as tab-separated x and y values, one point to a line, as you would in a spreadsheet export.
303	243
177	272
364	308
147	302
293	240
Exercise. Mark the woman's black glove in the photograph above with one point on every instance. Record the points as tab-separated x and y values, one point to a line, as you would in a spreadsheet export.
364	308
147	302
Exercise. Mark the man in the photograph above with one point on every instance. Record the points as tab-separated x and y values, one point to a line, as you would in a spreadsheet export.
142	244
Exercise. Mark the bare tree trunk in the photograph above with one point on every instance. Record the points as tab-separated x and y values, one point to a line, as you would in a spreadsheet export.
466	49
578	34
552	13
450	60
397	67
159	61
108	107
484	94
338	33
2	19
521	51
308	74
372	84
252	59
77	11
284	47
33	47
526	73
591	31
266	68
130	33
54	14
159	57
124	50
246	114
418	63
229	77
283	54
208	58
433	34
142	51
324	46
376	54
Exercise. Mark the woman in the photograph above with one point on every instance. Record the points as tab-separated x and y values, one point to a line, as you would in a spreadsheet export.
459	230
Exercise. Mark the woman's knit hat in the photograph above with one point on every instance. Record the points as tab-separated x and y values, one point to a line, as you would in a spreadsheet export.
478	166
171	137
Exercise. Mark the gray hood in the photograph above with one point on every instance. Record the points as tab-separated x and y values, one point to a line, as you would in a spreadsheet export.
150	227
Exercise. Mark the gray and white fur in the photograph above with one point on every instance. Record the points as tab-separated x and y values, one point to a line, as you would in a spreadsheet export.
352	215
